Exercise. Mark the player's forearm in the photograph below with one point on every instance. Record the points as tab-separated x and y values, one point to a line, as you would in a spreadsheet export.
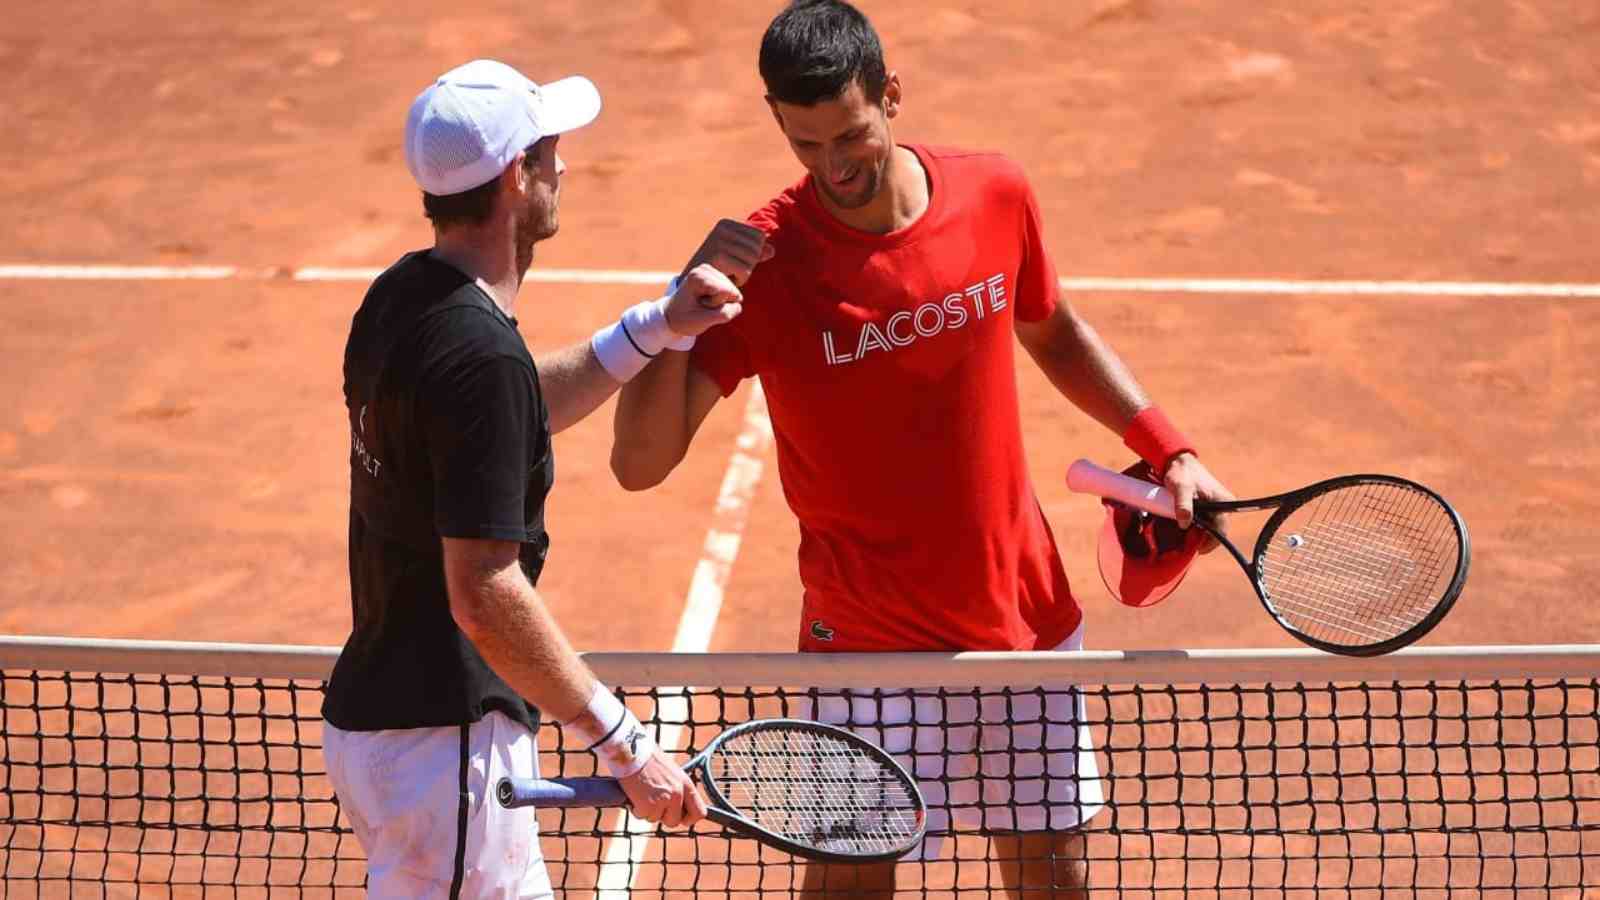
497	608
579	378
1085	369
574	384
504	617
651	427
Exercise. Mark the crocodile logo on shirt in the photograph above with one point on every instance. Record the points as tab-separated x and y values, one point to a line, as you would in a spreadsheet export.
820	631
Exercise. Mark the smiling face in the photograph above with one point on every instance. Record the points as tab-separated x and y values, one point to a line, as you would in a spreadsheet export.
844	142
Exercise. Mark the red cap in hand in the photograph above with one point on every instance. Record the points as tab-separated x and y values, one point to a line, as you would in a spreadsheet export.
1144	557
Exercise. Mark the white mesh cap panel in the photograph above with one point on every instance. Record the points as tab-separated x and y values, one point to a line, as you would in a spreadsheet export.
465	128
443	141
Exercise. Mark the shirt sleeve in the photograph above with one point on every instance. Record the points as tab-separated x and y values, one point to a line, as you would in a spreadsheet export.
724	354
479	419
1037	285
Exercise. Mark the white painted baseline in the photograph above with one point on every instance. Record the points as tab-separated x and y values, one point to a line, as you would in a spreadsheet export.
20	272
1344	288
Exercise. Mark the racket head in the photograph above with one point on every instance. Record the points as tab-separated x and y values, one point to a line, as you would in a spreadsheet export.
1361	565
813	790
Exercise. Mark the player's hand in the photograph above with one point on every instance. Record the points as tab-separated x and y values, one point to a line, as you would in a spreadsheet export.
734	249
1188	479
705	299
661	792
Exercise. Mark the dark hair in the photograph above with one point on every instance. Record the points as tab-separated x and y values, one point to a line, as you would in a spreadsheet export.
470	207
474	205
815	49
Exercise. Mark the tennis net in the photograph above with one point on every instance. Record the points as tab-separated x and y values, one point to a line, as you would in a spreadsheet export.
162	769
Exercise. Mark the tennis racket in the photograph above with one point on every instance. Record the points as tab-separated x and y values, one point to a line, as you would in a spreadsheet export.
809	789
1359	565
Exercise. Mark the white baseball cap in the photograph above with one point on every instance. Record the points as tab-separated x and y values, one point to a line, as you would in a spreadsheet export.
466	127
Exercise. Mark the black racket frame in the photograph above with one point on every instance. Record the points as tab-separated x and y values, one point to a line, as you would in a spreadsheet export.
720	802
1285	504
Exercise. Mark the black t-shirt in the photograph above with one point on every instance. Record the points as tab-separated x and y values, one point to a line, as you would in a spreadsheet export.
450	437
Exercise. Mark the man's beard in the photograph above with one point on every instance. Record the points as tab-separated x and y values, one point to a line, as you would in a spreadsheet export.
534	225
869	190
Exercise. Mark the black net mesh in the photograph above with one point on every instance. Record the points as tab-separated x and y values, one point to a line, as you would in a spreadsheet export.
167	785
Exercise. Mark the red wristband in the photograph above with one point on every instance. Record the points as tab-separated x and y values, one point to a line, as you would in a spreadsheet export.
1155	439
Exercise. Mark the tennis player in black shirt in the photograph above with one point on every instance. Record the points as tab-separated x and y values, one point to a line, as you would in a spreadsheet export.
452	655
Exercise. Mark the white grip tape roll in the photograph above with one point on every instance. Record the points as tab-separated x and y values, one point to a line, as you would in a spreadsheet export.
1085	477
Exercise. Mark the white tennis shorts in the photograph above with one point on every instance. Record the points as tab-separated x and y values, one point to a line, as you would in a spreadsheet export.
990	759
421	801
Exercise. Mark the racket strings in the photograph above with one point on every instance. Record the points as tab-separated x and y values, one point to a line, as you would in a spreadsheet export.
1372	573
816	789
1361	564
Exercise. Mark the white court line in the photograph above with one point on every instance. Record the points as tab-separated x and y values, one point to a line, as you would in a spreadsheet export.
1350	288
21	272
539	276
622	857
116	273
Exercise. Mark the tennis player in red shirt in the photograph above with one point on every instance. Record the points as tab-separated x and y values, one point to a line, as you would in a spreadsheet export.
880	294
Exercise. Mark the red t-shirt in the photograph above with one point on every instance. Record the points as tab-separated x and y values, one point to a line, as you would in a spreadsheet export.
888	365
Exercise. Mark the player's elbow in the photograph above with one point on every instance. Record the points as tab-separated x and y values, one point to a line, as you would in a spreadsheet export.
479	576
472	604
637	469
469	616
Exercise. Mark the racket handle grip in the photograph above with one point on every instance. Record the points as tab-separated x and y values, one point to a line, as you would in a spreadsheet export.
560	792
1085	477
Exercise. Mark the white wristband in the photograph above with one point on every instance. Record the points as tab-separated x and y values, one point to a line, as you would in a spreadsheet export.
626	346
612	731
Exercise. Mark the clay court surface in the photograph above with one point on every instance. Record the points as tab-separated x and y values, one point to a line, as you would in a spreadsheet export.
173	453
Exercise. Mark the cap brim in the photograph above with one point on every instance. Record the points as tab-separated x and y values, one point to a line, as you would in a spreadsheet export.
572	102
1148	581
